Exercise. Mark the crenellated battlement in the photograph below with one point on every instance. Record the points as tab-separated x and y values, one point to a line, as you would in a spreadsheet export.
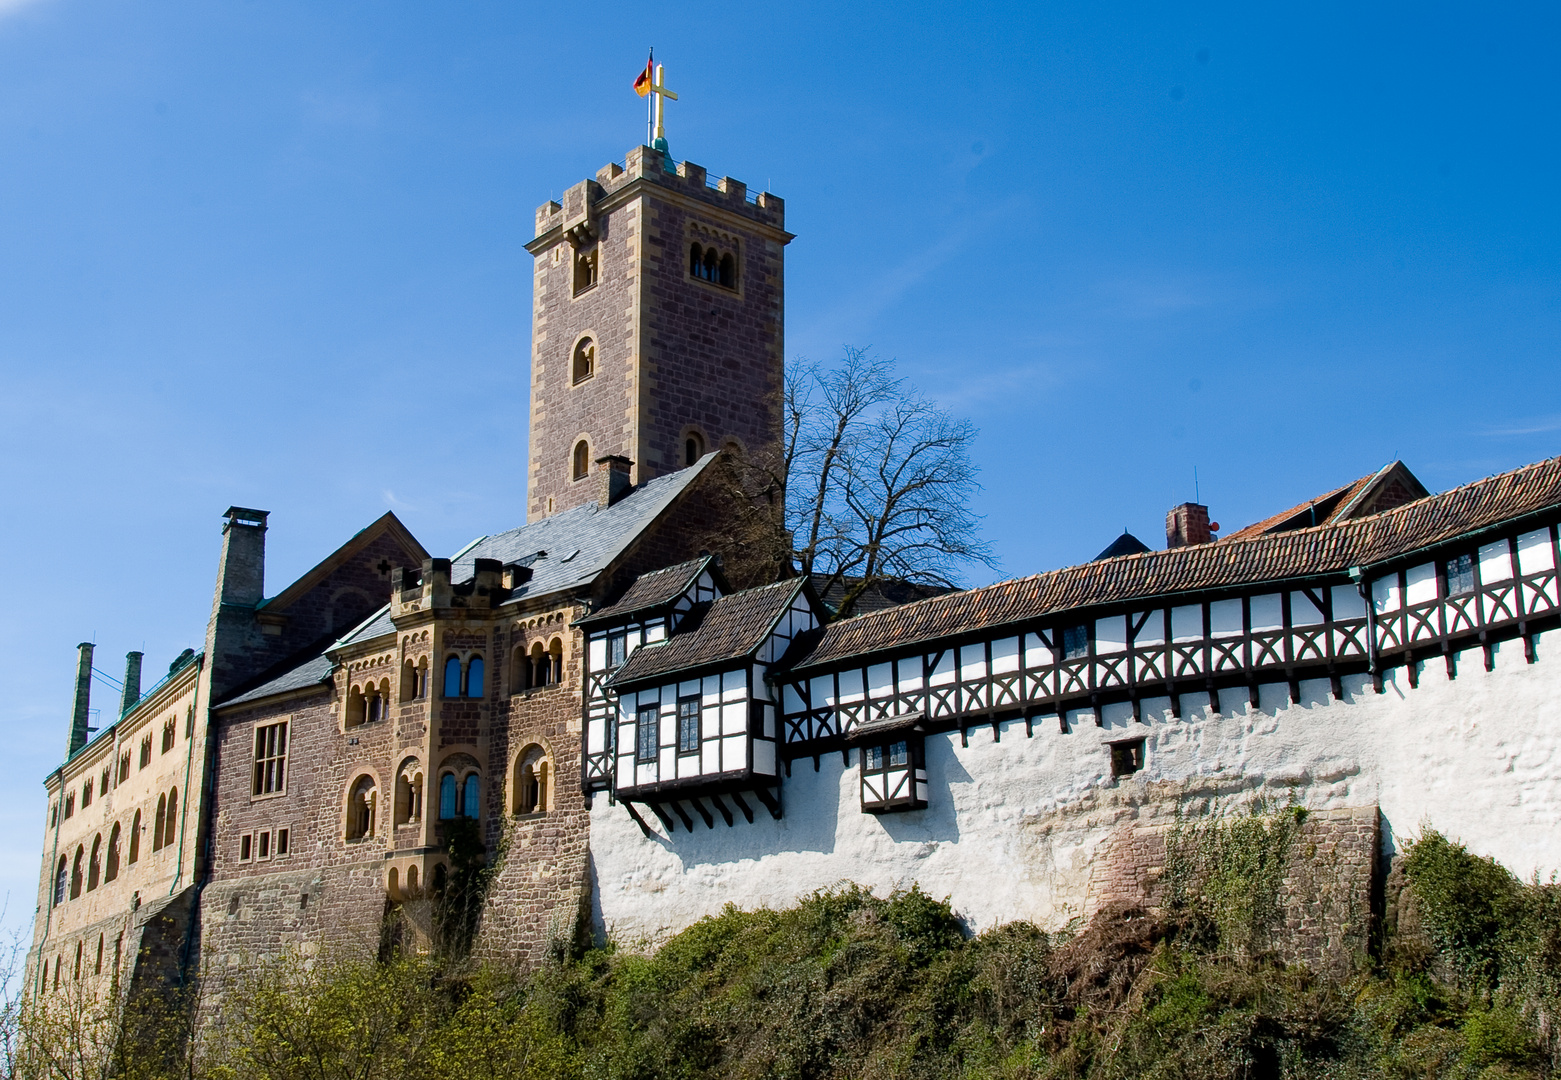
583	202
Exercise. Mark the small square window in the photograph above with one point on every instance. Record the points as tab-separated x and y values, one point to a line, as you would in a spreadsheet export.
1126	757
1075	642
281	841
688	725
1460	575
647	737
245	848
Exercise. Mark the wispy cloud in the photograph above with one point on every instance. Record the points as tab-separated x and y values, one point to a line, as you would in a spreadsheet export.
1536	426
11	7
393	502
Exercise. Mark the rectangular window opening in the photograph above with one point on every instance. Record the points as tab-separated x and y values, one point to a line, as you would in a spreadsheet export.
1460	575
617	650
245	848
688	725
270	759
646	736
1126	757
281	841
1075	642
265	845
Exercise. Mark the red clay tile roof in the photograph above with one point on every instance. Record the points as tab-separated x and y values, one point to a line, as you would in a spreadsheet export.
1390	486
1324	549
733	628
650	591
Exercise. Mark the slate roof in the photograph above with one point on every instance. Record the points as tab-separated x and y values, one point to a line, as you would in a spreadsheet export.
1324	549
582	541
650	591
1126	544
309	673
734	628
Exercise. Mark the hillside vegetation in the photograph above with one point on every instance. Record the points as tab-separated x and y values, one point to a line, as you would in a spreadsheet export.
1464	982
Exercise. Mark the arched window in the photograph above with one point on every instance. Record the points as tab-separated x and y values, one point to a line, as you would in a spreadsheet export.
584	364
474	677
422	678
412	879
97	969
530	782
585	268
168	735
693	448
360	809
394	886
711	268
171	826
357	711
76	872
582	460
727	274
555	655
696	260
111	868
95	863
409	793
135	839
452	677
159	821
469	796
447	796
376	707
408	681
541	668
61	876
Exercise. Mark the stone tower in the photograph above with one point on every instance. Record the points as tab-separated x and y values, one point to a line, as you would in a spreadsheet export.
657	326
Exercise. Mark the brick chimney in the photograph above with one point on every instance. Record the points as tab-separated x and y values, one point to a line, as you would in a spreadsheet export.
1188	524
612	479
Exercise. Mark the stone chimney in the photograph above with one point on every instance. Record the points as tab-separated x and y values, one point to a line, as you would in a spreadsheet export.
241	580
132	692
1189	524
78	716
612	479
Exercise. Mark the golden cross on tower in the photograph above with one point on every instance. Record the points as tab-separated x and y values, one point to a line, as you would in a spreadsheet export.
658	86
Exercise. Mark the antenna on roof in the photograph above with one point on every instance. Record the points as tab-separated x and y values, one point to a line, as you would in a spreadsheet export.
1196	496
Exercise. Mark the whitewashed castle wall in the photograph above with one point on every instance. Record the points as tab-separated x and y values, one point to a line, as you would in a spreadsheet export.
1016	824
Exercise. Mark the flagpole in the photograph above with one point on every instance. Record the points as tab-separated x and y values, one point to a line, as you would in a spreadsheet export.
650	99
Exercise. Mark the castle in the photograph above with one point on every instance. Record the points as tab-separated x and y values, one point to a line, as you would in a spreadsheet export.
638	728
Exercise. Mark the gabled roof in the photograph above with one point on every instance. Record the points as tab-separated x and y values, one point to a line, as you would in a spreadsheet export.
1325	549
386	523
1126	544
733	629
650	591
582	541
1390	486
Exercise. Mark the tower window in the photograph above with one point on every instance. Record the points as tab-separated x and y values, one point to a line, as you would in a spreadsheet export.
584	363
709	263
585	268
582	460
693	448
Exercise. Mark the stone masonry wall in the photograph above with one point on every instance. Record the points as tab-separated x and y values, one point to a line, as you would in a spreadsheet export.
1325	896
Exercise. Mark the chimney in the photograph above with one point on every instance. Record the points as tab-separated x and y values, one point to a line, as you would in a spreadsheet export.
132	692
78	719
612	478
1188	524
241	572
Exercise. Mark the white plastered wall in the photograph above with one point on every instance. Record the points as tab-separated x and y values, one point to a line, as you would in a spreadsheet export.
1014	825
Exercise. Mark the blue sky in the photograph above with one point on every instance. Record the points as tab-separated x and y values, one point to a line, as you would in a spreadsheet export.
270	254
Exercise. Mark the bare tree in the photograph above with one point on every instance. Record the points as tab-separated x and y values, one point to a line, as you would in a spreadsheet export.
877	481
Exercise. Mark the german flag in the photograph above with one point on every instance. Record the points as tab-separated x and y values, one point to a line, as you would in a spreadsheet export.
642	84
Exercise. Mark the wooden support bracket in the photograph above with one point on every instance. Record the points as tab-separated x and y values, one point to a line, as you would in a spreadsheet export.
771	803
721	806
635	814
737	797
